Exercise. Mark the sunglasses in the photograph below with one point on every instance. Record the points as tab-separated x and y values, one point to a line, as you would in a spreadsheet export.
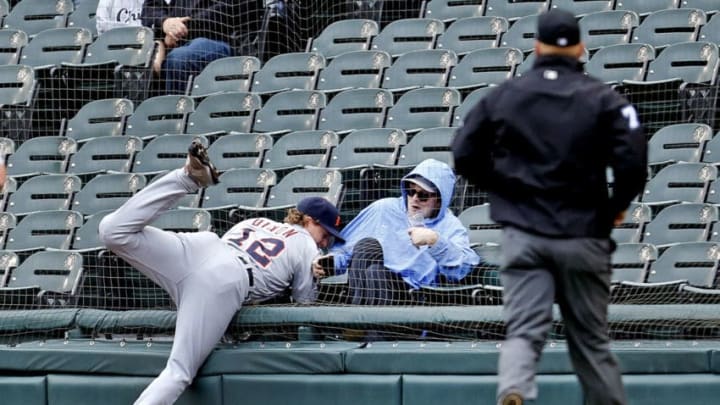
422	195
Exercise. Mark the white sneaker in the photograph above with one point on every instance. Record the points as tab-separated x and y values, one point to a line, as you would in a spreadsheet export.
198	165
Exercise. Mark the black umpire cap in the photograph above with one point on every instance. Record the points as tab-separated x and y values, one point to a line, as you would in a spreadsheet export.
558	28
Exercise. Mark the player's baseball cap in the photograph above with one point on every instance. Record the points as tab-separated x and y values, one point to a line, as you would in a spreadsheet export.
421	181
558	28
324	212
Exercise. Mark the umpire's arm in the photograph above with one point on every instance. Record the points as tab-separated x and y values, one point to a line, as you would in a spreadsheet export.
472	145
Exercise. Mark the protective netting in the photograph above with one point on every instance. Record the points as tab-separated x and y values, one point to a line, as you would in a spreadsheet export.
339	99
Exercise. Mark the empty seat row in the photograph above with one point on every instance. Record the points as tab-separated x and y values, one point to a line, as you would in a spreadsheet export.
34	16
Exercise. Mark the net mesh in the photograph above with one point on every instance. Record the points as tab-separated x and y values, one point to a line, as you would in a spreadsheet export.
98	113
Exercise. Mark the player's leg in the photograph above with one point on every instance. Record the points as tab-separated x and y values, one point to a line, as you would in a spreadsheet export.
528	293
208	300
583	296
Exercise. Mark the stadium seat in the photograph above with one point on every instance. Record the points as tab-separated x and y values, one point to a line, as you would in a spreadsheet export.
33	16
288	71
99	118
86	238
107	192
344	36
423	68
410	34
644	7
294	110
234	73
481	229
42	155
678	143
44	193
44	230
5	191
468	103
428	107
4	9
356	109
711	154
485	66
84	16
632	227
49	278
606	28
679	223
11	43
452	10
513	10
430	143
301	149
710	6
468	34
666	27
710	32
365	147
631	262
8	221
521	34
218	114
17	98
617	63
239	150
8	262
104	154
184	220
679	182
583	7
160	115
360	69
164	153
302	183
52	47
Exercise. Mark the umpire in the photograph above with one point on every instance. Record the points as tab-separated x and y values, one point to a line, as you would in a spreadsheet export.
540	145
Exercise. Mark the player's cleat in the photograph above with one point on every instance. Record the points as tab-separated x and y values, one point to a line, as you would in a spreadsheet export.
198	165
512	398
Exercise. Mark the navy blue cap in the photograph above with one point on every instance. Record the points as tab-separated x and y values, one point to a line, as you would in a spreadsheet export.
558	28
324	212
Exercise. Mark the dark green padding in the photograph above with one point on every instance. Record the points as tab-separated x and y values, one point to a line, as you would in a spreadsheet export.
145	321
39	320
22	390
466	389
140	359
299	389
481	357
673	389
120	390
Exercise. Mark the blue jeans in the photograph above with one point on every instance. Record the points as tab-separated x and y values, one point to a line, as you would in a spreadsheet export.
191	59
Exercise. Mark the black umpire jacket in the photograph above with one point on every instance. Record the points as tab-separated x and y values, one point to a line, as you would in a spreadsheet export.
541	144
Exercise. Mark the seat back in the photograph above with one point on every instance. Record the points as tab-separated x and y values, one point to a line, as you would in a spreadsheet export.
606	28
616	63
160	115
694	62
521	34
302	183
289	71
678	143
87	236
469	103
164	153
184	220
471	33
366	147
486	66
106	154
431	143
224	112
681	223
448	10
107	192
100	118
44	193
583	7
680	182
482	230
344	36
632	227
644	7
631	262
667	27
247	187
56	46
512	10
239	150
409	34
710	32
423	108
45	154
429	67
127	46
696	263
707	5
8	262
33	16
84	16
360	69
301	149
233	73
56	271
11	44
294	110
44	230
17	85
356	109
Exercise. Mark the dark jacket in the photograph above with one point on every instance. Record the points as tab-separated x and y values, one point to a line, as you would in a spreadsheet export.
212	19
541	145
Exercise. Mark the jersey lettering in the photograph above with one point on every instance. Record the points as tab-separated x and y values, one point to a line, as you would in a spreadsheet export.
263	250
631	115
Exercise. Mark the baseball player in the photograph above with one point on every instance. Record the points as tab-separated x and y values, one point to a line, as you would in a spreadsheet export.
208	277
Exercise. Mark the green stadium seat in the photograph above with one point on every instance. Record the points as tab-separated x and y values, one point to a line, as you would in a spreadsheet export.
429	107
301	149
484	67
44	193
354	70
583	7
430	143
513	10
344	36
666	27
468	34
356	109
468	103
99	118
55	46
294	110
423	68
160	115
103	155
218	114
521	34
606	28
710	32
680	223
34	16
643	7
18	88
678	143
234	73
453	10
481	229
679	182
42	155
617	63
631	262
11	43
44	230
288	71
409	34
239	150
107	192
84	16
632	227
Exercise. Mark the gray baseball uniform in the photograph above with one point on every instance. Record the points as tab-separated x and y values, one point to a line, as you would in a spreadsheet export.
206	276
